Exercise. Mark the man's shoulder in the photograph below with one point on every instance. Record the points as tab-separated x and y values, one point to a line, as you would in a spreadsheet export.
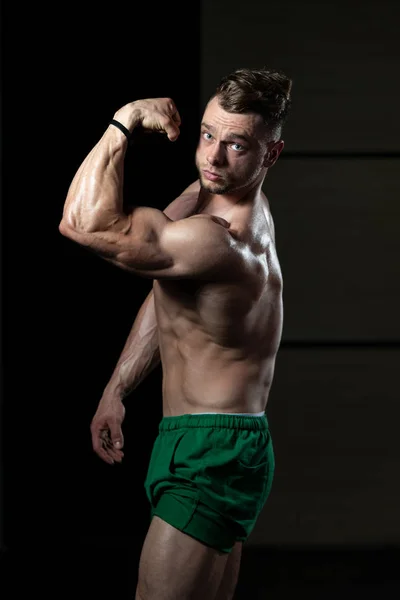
192	188
185	204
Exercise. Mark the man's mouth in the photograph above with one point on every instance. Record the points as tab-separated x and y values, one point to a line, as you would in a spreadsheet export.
211	176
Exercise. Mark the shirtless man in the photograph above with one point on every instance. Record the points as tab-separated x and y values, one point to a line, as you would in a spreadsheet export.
214	319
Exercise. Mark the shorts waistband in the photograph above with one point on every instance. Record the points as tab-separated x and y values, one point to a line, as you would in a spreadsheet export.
215	420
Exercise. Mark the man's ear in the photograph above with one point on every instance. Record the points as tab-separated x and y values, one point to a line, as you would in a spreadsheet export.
273	151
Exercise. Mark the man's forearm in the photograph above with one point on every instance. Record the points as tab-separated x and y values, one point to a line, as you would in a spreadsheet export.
95	196
141	352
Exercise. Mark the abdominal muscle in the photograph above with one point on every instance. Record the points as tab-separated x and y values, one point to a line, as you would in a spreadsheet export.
228	369
218	387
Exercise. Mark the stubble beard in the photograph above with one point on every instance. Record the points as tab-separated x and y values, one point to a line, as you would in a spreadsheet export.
213	188
216	187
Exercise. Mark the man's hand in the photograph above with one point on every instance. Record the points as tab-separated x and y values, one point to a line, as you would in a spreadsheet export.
107	438
155	114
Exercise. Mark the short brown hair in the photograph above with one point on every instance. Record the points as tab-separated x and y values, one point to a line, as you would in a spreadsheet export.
266	92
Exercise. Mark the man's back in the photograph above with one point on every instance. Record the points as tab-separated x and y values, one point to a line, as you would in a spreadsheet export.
218	341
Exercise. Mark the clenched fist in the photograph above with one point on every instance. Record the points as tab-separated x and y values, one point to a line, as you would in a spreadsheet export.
156	114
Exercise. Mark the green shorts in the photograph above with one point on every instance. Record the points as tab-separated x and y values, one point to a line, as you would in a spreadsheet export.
209	475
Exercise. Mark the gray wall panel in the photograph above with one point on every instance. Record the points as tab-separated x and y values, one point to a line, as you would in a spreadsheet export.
343	57
337	234
334	416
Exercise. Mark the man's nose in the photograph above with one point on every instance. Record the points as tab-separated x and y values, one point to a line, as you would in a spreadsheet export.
215	155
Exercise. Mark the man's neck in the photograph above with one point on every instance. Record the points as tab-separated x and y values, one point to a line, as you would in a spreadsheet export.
251	195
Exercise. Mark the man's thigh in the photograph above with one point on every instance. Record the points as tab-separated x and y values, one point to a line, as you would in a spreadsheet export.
230	577
174	565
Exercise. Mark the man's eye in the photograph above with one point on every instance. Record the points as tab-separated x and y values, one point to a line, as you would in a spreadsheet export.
238	147
205	133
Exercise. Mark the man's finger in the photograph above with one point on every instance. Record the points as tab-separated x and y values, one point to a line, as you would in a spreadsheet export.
172	132
98	447
117	437
173	111
173	135
116	455
170	128
104	455
104	448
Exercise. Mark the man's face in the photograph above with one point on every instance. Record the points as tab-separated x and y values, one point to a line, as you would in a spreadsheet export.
232	149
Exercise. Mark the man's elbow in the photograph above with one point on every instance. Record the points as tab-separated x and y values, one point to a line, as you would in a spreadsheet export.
67	229
63	228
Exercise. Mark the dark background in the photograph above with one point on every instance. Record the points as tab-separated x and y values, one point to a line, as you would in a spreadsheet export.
332	522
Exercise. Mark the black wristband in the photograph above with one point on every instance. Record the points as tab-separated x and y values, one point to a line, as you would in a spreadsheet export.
121	128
